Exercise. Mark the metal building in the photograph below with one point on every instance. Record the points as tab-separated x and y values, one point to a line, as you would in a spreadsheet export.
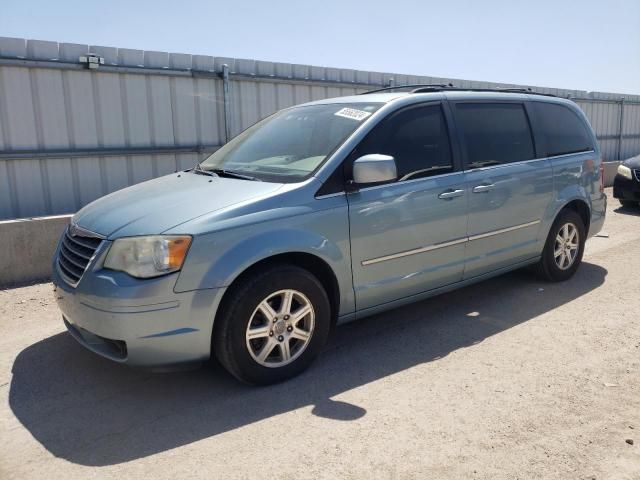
78	122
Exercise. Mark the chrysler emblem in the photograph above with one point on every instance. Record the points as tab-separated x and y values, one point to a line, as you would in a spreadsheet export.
76	231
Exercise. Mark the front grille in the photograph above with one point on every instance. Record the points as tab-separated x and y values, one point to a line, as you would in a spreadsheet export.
76	250
636	172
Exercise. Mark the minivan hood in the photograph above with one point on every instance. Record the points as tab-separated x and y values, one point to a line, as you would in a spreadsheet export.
155	206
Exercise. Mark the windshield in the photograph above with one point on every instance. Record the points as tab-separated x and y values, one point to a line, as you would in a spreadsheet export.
290	144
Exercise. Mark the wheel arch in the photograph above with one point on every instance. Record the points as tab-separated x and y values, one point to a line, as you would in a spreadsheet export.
312	263
581	207
547	266
575	203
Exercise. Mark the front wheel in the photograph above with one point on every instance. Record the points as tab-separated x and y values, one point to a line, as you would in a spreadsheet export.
273	325
564	247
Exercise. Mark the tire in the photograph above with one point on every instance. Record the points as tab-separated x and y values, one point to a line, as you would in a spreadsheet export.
549	266
240	337
628	203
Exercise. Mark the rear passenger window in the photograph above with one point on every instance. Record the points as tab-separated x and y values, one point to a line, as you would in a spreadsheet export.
418	140
495	133
561	129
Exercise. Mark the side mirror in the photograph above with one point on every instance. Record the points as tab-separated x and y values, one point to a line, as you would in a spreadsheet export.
374	168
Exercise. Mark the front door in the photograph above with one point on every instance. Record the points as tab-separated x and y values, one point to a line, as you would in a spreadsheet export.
509	188
408	236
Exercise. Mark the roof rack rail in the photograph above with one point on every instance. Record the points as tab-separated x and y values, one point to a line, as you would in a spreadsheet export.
439	87
432	88
410	85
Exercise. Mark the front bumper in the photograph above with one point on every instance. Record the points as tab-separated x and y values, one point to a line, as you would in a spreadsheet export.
626	189
137	322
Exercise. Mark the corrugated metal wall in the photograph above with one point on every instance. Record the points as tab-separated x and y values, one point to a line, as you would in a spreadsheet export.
69	135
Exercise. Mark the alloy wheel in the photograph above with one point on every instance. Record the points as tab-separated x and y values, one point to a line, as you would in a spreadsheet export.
567	245
280	328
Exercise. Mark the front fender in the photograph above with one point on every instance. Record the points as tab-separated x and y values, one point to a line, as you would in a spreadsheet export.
216	259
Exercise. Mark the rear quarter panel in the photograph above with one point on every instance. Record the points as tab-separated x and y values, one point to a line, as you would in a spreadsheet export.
577	177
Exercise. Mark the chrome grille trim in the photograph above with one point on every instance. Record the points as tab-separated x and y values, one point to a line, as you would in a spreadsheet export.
77	250
636	172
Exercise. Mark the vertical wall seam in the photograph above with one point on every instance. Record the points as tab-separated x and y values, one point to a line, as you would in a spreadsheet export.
196	109
240	99
277	96
258	101
219	106
75	181
621	130
125	122
42	163
172	98
6	135
152	124
97	111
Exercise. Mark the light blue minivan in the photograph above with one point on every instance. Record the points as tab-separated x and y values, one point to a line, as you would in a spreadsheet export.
327	212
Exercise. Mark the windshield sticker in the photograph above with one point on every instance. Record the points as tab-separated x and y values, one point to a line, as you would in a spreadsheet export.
353	114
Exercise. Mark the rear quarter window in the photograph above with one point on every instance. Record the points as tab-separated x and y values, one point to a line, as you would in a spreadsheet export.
561	129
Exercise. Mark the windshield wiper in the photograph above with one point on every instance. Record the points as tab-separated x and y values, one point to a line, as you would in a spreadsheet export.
201	171
232	174
221	172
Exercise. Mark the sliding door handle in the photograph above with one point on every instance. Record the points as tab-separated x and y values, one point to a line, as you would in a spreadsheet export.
483	188
451	194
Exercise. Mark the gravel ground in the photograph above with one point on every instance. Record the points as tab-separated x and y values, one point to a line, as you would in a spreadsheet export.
510	378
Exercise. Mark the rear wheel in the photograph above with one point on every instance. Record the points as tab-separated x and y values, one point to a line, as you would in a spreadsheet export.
628	203
273	326
564	247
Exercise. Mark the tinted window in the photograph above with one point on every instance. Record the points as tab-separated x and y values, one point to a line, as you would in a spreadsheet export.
495	133
561	129
416	137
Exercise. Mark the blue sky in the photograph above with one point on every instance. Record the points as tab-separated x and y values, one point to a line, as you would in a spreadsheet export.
586	44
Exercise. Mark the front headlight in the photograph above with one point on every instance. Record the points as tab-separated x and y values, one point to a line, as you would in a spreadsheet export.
146	257
624	171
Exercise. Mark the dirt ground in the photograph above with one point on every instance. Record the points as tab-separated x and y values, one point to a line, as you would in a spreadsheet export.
511	378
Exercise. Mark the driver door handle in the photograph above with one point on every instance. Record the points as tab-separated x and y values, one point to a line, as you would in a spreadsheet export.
450	194
483	188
